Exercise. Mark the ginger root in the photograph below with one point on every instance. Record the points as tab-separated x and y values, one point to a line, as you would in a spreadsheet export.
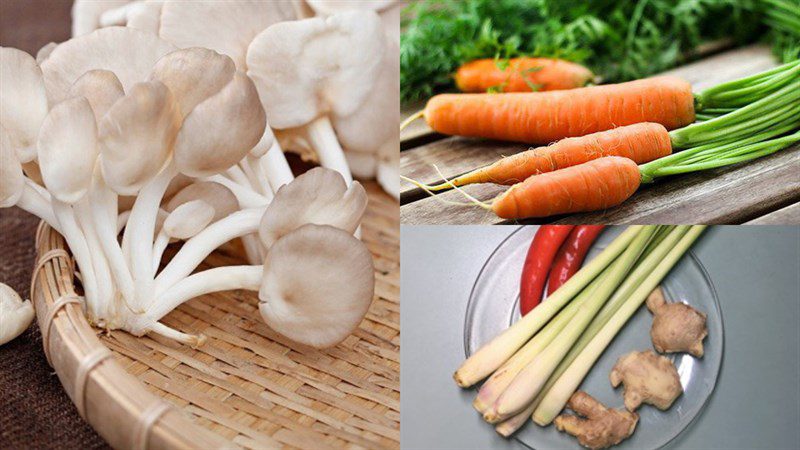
648	378
602	427
677	327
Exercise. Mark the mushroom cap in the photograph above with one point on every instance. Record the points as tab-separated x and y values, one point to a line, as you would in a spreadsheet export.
193	75
221	130
137	136
15	315
226	27
44	52
374	124
23	101
328	7
319	196
218	196
127	52
101	88
318	284
146	15
67	149
86	14
308	68
188	219
12	180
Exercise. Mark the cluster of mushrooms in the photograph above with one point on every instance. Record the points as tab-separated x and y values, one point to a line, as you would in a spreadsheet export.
330	85
126	139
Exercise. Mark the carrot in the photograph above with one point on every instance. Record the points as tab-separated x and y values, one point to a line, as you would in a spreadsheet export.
544	117
597	184
641	142
521	75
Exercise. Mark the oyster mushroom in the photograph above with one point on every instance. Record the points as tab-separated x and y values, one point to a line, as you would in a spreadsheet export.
23	101
323	312
15	315
318	196
311	71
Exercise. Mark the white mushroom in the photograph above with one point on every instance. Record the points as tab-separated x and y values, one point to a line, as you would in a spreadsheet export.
18	190
137	136
319	196
45	52
311	70
185	221
15	315
23	102
317	286
216	195
86	14
101	88
226	27
130	54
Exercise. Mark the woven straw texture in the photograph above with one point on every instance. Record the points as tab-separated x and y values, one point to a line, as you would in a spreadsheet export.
247	385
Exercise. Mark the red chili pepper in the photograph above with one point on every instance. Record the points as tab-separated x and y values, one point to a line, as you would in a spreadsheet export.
570	257
540	256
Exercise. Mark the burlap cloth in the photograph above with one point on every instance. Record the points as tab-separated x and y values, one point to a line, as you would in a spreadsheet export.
34	410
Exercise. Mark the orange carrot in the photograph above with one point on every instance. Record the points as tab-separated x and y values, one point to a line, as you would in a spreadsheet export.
640	142
521	75
597	184
544	117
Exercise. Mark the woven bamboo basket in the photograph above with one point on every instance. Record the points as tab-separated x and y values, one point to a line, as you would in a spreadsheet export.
246	386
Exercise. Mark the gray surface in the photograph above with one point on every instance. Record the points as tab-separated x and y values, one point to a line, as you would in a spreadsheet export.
755	269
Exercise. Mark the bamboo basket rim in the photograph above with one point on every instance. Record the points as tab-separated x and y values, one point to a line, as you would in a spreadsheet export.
118	405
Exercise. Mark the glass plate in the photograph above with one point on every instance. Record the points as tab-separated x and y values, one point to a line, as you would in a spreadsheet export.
494	305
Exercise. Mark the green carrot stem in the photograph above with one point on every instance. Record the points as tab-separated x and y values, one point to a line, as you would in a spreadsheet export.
708	97
713	150
743	129
746	153
696	134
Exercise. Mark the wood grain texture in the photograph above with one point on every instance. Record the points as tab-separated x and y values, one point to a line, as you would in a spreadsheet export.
760	186
247	385
789	214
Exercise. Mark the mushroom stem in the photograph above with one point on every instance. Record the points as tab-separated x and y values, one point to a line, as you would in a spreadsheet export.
122	220
80	250
141	228
212	280
276	167
236	174
247	197
171	333
105	286
162	240
103	201
35	203
196	249
256	180
253	249
323	140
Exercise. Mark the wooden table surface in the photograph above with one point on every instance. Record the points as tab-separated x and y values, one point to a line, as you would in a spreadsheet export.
763	191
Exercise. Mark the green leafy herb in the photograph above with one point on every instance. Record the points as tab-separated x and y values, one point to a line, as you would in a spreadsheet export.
618	39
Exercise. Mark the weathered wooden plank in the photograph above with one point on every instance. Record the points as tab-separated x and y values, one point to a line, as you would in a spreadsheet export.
455	155
727	195
789	215
417	128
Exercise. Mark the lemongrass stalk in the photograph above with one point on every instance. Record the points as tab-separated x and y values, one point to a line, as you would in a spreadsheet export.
554	401
499	381
497	351
526	385
657	252
509	426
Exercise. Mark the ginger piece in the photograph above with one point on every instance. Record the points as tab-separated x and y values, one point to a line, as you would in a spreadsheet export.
677	327
603	427
648	378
